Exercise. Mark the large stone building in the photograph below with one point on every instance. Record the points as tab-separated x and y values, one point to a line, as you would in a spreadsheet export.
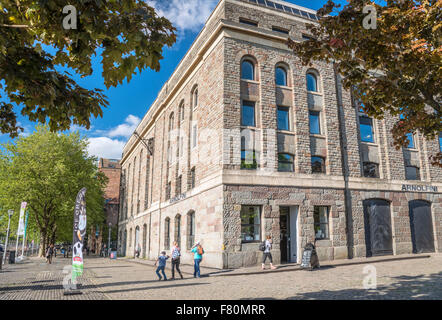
243	141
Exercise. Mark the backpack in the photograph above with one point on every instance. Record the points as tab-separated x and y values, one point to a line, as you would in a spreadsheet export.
200	250
262	246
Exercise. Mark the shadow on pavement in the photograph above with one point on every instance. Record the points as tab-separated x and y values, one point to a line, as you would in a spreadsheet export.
157	287
422	287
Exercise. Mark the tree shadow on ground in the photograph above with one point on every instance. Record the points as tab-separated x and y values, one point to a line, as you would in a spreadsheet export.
49	285
421	287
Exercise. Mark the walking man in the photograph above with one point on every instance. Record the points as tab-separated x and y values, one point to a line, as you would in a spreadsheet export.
198	251
176	254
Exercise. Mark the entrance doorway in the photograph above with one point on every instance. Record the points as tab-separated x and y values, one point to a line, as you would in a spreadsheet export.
378	234
421	225
288	224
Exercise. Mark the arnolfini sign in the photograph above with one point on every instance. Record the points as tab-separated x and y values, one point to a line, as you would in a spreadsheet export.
415	187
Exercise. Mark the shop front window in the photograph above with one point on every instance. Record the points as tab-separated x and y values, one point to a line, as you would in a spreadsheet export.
250	223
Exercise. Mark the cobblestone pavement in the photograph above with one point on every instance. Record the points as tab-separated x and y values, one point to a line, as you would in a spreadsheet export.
122	279
33	279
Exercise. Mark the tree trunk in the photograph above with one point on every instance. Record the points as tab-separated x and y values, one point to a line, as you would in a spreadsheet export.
42	249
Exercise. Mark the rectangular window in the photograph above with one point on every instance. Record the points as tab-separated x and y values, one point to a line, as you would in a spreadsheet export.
285	162
283	118
192	178
412	173
168	187
320	216
371	170
248	159
248	114
318	165
194	135
248	22
315	122
440	141
178	185
280	30
366	126
250	223
410	139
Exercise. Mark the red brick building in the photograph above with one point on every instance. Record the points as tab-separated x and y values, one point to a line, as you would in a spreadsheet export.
112	169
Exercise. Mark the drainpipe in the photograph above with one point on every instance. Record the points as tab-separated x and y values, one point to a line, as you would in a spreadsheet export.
344	157
161	187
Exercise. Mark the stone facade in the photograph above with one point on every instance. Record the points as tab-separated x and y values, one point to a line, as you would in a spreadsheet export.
181	172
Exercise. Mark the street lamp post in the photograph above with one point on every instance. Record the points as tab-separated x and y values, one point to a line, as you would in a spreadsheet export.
108	240
10	213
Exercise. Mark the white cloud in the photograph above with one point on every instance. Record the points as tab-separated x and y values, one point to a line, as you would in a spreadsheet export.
107	144
126	129
185	14
103	147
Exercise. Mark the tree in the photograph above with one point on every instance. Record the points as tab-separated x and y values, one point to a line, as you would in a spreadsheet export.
34	46
47	170
395	68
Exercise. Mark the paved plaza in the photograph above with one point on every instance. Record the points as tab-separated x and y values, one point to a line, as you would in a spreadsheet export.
127	279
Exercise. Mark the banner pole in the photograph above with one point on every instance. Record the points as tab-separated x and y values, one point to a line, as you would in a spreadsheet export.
79	232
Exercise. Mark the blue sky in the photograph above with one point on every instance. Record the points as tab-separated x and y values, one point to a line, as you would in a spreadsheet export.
129	102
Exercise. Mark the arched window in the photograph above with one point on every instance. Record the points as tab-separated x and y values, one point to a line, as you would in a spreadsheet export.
130	238
167	234
181	115
312	82
171	118
177	233
247	70
190	229
195	98
281	76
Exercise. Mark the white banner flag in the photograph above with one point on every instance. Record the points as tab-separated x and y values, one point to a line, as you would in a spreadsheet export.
21	222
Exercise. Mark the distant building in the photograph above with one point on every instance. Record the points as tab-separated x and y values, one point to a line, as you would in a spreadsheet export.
112	169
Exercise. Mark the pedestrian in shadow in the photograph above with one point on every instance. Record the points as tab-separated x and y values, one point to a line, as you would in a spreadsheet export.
161	265
176	254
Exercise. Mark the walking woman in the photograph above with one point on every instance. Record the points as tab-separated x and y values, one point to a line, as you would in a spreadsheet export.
198	251
267	254
176	254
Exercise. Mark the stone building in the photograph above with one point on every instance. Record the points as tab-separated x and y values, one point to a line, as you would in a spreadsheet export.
243	141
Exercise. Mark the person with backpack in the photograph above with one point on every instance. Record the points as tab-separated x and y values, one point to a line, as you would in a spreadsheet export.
176	254
198	251
266	246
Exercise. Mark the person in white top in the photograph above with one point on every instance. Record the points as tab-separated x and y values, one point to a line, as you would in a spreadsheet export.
268	247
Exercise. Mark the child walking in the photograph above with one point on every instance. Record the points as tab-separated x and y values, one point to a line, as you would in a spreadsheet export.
161	265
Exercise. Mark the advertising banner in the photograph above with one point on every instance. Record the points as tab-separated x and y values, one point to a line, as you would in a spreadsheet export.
21	222
79	232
